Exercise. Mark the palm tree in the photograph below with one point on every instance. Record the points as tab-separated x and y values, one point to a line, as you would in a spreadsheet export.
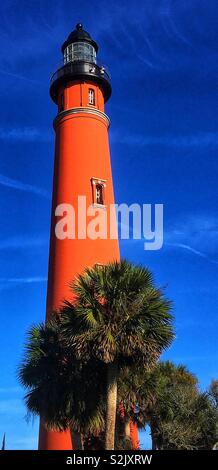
135	387
58	384
175	387
120	318
213	393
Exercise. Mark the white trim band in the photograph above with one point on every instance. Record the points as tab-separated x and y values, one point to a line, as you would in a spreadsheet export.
82	110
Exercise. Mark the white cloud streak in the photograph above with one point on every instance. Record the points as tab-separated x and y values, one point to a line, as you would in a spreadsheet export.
27	443
22	242
201	139
23	280
197	235
8	283
11	406
16	184
169	24
25	134
192	250
17	76
7	390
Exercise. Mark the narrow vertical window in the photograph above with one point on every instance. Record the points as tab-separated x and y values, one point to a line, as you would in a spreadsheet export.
98	191
99	194
91	95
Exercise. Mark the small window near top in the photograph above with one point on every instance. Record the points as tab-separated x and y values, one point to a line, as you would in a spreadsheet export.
91	96
99	194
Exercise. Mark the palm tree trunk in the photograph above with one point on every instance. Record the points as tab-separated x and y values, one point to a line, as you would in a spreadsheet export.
77	440
154	436
111	404
127	429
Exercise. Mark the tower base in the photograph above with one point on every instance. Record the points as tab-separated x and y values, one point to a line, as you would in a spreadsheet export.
54	440
134	435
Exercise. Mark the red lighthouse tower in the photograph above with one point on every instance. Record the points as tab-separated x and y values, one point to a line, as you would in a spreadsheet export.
80	89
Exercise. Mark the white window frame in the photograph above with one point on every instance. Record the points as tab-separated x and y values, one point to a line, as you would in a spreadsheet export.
91	96
98	182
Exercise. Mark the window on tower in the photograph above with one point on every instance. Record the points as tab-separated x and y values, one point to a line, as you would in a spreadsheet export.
91	94
99	194
98	191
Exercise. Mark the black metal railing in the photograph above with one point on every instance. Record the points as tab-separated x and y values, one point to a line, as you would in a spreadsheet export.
78	68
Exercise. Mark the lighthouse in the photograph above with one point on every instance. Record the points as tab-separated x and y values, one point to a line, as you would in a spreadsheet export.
82	179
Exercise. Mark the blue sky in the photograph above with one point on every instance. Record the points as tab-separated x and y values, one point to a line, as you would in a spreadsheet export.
163	61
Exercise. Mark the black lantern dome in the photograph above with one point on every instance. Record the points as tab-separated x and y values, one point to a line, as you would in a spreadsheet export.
79	35
80	63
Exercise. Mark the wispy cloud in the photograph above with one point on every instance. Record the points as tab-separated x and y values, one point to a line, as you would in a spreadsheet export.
23	280
27	443
194	323
201	139
25	134
159	36
8	283
16	184
18	76
192	250
201	358
11	406
197	234
7	390
170	26
22	242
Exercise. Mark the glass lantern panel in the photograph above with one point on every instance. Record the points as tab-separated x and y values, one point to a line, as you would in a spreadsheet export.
80	51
